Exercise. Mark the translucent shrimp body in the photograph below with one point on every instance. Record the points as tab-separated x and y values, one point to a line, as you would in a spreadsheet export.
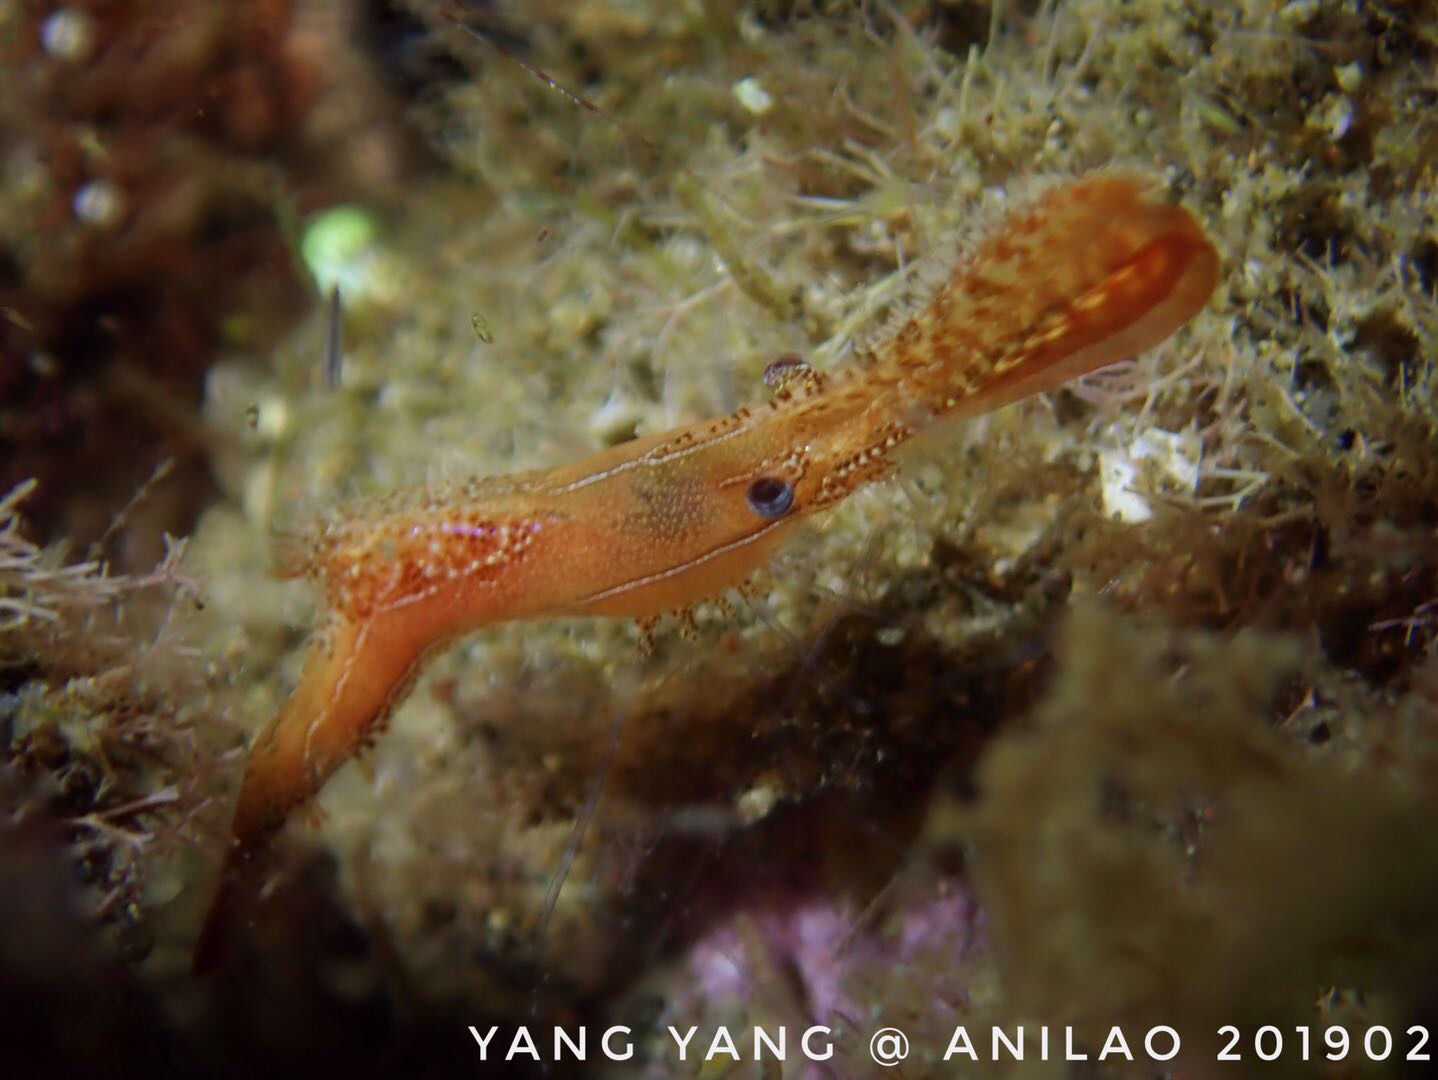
1089	273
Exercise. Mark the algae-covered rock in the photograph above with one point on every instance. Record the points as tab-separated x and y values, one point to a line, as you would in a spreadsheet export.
1116	707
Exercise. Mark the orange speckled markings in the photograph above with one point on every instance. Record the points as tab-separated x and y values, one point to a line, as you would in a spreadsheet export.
1092	272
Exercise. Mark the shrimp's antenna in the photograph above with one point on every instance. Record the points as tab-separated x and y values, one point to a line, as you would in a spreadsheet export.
442	16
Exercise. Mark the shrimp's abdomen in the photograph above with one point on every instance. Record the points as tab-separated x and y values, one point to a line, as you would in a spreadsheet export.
354	675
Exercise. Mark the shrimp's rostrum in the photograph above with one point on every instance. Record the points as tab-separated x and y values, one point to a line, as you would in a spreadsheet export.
1089	273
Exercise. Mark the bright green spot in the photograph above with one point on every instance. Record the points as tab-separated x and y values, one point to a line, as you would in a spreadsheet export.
336	245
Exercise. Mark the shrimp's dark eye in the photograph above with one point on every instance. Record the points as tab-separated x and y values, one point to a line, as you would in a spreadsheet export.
771	497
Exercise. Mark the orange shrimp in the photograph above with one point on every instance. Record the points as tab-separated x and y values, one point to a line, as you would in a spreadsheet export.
1092	272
